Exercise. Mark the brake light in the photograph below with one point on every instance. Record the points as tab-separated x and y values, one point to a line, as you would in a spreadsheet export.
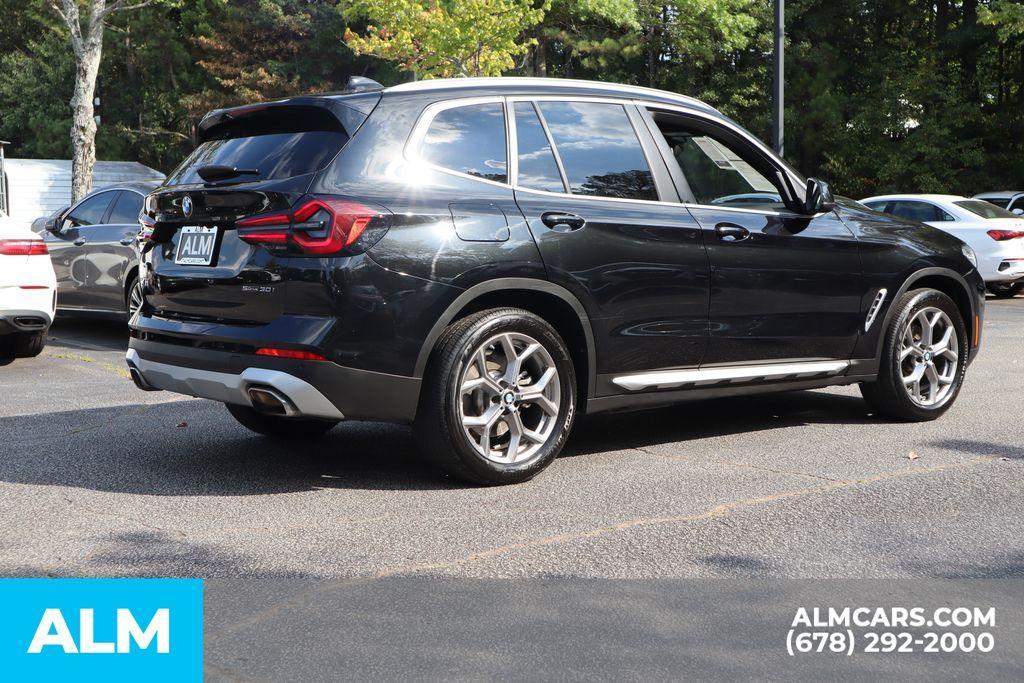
317	226
1003	235
147	226
23	248
289	353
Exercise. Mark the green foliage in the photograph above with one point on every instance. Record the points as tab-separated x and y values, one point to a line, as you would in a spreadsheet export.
444	38
1007	15
905	95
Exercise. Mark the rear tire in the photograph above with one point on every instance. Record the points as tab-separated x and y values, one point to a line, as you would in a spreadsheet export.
1005	290
22	344
133	296
498	399
279	427
924	359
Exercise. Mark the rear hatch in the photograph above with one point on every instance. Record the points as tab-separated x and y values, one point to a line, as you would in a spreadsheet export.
251	161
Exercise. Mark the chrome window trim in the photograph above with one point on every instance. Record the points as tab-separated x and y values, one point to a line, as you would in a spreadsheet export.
426	117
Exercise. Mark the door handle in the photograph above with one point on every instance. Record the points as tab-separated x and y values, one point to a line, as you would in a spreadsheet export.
557	220
79	242
729	232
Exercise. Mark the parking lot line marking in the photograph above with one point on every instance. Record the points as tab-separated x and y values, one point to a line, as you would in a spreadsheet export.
713	513
716	512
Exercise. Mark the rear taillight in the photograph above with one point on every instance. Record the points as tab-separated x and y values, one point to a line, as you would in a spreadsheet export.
1003	235
23	248
289	353
317	226
147	226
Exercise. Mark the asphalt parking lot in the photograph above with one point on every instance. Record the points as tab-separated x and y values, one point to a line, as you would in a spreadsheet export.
98	478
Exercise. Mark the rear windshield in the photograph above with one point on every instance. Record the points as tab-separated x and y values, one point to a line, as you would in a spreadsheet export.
1001	202
984	209
271	144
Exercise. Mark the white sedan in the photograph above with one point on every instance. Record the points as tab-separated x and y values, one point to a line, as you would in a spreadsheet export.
995	234
28	291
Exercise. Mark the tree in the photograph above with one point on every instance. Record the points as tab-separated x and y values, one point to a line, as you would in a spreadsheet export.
444	38
87	47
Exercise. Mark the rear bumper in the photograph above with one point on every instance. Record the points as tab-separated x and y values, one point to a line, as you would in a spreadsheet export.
27	320
314	388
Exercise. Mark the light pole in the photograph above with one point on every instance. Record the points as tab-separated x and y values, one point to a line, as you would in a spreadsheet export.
778	105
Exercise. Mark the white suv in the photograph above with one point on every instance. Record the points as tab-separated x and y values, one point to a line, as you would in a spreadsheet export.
28	291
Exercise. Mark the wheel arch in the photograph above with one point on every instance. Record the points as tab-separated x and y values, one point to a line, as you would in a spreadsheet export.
555	304
944	280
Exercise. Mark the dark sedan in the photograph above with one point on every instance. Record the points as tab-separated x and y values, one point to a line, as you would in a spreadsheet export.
93	248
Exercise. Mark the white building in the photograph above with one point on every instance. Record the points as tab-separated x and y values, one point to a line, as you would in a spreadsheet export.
38	187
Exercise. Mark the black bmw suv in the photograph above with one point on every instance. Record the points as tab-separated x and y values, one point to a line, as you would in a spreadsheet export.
488	258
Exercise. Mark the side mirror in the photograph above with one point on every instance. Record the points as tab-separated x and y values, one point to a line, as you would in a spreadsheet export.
819	197
53	225
1019	212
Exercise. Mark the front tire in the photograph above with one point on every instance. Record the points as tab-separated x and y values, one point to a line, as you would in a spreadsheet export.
1005	290
924	359
278	427
499	398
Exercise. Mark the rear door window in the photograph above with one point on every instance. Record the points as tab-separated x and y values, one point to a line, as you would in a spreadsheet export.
126	209
537	168
272	144
468	139
599	150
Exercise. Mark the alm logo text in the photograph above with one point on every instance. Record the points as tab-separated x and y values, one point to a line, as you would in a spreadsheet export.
53	632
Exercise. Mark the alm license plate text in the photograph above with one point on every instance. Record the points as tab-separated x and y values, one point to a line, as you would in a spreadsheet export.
195	245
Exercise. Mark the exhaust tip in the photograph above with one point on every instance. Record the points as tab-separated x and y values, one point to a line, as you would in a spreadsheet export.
270	402
139	380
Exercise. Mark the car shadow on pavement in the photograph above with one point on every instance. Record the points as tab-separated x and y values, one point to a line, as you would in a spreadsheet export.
712	418
76	332
981	448
189	448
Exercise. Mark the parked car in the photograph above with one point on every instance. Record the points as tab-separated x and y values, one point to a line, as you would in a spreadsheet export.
489	258
995	234
27	291
94	249
1012	201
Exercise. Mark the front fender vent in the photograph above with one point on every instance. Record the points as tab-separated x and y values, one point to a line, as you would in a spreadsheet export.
876	306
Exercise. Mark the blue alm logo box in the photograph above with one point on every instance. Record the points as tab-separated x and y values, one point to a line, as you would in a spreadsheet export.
105	629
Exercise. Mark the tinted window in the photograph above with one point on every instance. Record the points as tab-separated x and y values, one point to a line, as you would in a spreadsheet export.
272	156
537	166
915	211
599	149
984	209
470	140
876	206
91	211
1001	202
126	209
716	173
1019	204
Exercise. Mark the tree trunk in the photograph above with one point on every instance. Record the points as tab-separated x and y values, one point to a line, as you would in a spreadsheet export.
83	121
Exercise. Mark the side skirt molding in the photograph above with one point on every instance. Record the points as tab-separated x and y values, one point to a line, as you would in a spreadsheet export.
655	399
675	379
